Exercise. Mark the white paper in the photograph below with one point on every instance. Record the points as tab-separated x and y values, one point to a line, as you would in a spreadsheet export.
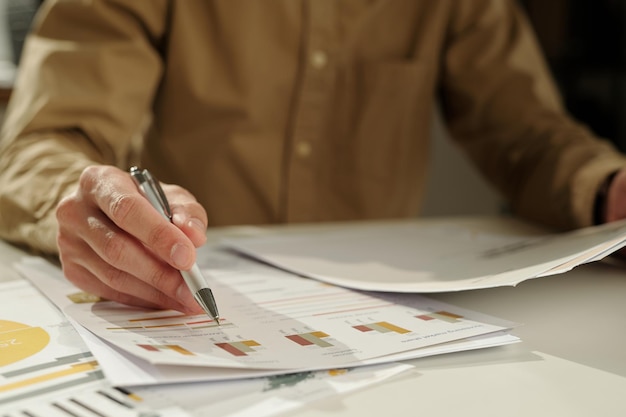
425	258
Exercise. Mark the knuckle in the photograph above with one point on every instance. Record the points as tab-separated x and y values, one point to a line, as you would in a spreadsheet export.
112	248
63	241
90	171
115	279
87	178
160	236
122	206
65	209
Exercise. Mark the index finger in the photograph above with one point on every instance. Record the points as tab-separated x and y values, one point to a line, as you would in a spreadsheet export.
116	194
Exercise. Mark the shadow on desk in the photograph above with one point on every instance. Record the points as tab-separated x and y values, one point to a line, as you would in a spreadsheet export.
515	353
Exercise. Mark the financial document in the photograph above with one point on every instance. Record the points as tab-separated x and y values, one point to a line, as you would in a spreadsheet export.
47	370
275	322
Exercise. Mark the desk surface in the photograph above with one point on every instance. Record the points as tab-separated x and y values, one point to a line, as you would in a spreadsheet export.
571	362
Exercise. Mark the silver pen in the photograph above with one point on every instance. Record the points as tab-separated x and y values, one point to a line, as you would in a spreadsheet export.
194	279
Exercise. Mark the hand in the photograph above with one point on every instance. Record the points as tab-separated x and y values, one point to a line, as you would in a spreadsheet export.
114	244
615	203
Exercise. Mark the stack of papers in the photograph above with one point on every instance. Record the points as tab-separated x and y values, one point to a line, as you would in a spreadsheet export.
47	370
272	323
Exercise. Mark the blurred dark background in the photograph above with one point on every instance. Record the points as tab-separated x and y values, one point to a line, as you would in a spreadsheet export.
585	45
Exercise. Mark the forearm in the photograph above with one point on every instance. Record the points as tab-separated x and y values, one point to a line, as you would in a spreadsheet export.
550	170
504	110
38	171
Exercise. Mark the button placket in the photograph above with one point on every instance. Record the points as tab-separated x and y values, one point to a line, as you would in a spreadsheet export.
309	118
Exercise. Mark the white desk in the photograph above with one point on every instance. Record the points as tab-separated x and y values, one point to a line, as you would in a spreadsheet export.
572	361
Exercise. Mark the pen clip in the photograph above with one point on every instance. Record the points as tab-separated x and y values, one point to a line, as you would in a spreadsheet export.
145	179
159	192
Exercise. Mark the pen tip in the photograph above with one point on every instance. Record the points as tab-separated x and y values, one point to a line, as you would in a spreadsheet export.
204	297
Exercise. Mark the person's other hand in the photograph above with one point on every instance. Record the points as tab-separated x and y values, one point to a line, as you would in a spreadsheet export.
615	203
114	244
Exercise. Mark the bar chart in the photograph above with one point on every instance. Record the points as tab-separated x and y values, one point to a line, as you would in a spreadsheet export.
440	315
158	321
158	348
381	327
242	348
309	339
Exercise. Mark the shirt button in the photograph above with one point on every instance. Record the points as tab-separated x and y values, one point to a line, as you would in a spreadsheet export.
319	59
303	149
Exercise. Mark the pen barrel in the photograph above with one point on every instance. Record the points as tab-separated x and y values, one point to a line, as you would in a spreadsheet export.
153	198
194	279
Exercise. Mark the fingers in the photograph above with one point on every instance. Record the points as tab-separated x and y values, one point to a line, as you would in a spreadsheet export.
100	258
84	279
117	196
187	214
114	244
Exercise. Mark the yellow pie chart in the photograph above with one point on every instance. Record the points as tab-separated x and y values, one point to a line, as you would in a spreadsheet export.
19	341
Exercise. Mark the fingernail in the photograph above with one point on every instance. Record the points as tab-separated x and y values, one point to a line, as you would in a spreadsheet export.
181	256
183	294
197	224
179	219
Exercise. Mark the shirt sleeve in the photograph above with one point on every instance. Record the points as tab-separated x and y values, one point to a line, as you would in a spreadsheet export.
87	77
504	110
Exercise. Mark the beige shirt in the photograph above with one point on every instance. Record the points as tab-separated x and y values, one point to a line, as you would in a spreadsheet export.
290	110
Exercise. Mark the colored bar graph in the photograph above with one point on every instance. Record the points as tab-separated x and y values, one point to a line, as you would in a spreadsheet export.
239	348
381	327
169	322
79	368
440	315
308	339
158	318
158	348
